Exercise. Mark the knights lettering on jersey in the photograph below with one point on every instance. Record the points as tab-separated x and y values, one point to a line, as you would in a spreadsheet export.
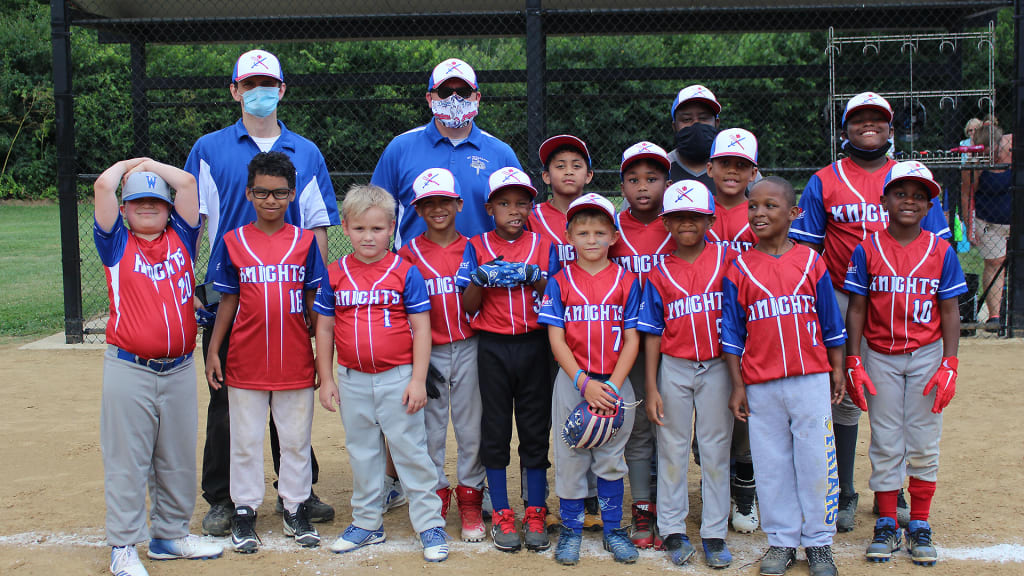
367	297
161	270
271	273
859	212
905	285
442	285
566	253
787	305
737	245
593	313
639	263
695	304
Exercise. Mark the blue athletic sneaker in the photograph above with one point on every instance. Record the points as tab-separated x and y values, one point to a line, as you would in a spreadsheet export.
354	538
919	542
885	542
679	548
567	551
190	547
716	553
435	544
618	543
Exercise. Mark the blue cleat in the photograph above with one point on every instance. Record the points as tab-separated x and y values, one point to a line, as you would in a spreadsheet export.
567	551
679	548
716	553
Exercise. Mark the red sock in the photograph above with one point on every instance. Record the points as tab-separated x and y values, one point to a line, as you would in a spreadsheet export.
921	492
887	503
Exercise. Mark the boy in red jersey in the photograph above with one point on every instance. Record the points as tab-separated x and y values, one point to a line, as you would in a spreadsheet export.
376	311
514	358
681	311
268	272
840	208
567	169
778	298
148	422
437	253
903	285
590	308
643	244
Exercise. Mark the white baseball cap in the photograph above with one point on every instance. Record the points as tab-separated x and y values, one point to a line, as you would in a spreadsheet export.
735	142
590	201
688	196
645	151
698	93
257	63
145	185
868	100
556	142
435	182
913	170
510	177
452	68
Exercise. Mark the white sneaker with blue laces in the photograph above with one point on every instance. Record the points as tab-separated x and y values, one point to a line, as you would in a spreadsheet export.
435	544
124	561
189	547
354	538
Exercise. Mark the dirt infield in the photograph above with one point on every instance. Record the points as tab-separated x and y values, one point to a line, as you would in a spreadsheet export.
54	511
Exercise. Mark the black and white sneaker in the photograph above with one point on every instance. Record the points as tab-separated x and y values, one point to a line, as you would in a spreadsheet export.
298	526
243	531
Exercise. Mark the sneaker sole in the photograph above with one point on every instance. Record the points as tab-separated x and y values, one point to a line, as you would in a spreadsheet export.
163	557
924	562
683	558
503	548
370	542
534	548
246	549
306	540
778	572
567	562
474	536
217	533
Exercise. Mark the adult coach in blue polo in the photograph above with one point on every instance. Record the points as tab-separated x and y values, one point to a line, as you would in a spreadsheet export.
219	161
451	140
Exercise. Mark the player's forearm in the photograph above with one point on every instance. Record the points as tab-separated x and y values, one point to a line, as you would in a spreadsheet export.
652	355
186	191
540	285
949	316
320	233
855	316
732	364
836	358
471	298
560	350
105	205
627	356
420	323
226	311
325	348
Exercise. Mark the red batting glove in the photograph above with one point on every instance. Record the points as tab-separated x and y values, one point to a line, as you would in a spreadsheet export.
856	381
945	381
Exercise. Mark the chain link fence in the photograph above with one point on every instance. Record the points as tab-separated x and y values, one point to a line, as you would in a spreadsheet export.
151	78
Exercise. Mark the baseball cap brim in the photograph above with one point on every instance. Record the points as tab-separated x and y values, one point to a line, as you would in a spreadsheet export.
687	209
437	193
663	161
556	142
933	187
529	189
142	195
605	207
882	109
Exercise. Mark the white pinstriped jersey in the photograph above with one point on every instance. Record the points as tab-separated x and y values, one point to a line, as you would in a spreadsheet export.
439	266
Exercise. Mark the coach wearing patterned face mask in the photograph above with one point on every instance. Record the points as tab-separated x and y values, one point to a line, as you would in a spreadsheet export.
451	140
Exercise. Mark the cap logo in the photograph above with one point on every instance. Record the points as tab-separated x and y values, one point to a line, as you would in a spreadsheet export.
645	147
915	169
737	140
510	175
151	181
428	178
453	65
699	91
259	60
684	192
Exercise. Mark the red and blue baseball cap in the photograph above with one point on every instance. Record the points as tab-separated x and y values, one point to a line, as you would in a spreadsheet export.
452	68
510	177
868	100
435	182
556	142
257	63
645	150
688	196
141	185
697	93
735	142
590	201
912	170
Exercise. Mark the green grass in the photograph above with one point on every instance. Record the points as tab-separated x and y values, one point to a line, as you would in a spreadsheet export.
31	289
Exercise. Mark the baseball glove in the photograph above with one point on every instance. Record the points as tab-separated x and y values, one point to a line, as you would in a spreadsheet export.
434	380
585	429
487	274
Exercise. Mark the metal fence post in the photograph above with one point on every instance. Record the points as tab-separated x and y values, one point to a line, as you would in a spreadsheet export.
140	105
1015	279
536	90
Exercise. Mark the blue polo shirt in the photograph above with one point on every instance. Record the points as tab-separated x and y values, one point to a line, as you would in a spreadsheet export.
472	163
220	162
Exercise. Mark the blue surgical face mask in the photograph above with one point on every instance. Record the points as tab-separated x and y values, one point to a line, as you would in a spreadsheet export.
261	101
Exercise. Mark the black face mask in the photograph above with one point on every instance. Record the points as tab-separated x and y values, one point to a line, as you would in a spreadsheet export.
852	150
694	142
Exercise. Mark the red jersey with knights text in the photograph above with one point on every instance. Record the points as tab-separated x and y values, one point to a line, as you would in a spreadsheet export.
270	344
682	303
507	310
641	246
732	228
595	310
150	284
780	314
371	304
551	223
439	266
904	286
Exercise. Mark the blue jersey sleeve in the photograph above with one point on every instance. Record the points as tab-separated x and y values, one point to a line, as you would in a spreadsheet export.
935	221
467	267
833	325
651	315
110	244
631	314
316	272
952	283
554	265
810	226
858	281
734	320
415	292
188	234
221	271
324	302
552	309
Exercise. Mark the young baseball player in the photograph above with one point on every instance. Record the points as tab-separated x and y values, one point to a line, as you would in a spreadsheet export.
437	253
643	244
733	167
503	273
903	284
682	308
778	297
567	170
840	208
377	313
590	308
148	421
268	273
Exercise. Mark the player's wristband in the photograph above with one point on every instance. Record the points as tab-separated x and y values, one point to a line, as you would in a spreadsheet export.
576	379
614	387
583	390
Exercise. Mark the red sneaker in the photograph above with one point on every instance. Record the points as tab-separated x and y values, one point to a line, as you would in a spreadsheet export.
445	494
644	528
469	501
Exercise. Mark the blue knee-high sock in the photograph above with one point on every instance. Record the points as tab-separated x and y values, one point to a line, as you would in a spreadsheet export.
498	484
536	487
609	494
571	511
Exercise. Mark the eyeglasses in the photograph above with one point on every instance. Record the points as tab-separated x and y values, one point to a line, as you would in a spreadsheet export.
444	92
263	193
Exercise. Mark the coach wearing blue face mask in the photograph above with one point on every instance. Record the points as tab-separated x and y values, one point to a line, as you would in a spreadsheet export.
219	161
